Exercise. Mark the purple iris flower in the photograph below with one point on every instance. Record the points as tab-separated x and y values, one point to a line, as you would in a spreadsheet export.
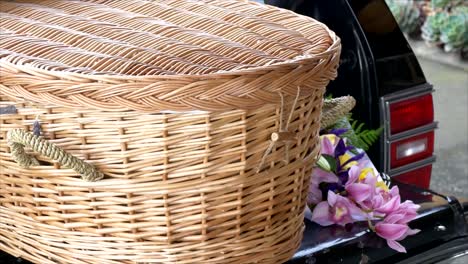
338	131
354	158
343	176
341	148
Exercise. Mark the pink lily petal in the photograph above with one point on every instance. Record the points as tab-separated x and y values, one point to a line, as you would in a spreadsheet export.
359	191
353	174
390	231
377	201
327	146
370	179
394	191
332	197
396	246
319	175
344	211
340	213
357	214
321	214
410	232
409	216
394	218
315	194
390	206
409	205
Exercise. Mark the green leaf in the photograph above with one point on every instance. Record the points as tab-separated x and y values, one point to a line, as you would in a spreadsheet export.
359	128
357	135
327	163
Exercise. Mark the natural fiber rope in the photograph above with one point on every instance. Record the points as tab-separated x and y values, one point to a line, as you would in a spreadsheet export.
18	138
336	108
283	135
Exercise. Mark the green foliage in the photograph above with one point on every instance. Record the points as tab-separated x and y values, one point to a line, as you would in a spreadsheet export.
440	4
454	33
432	26
357	134
366	137
407	14
327	163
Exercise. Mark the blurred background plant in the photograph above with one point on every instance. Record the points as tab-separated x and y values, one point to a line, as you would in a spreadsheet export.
440	23
409	15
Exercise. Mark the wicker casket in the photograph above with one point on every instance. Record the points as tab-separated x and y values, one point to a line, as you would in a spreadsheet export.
158	131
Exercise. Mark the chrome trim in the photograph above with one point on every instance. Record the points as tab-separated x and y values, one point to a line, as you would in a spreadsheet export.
384	159
412	166
387	137
413	132
395	57
407	93
453	257
440	228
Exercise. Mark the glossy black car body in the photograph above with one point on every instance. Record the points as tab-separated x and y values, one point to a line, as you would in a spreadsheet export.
443	235
376	60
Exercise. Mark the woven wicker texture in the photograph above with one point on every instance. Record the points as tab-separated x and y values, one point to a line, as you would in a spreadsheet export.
180	58
203	117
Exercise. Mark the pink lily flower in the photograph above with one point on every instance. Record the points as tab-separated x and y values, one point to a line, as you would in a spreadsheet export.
406	212
389	206
359	191
327	146
388	201
395	226
337	210
353	174
392	232
318	175
361	186
363	197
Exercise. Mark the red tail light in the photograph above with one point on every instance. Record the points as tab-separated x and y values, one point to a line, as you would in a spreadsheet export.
410	136
412	149
411	113
420	177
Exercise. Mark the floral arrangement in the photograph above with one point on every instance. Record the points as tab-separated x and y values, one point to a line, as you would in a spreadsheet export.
346	188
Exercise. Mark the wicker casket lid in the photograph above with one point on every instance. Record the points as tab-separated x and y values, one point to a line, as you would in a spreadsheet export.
161	55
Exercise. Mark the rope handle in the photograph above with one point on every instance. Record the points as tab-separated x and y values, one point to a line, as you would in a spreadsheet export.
283	135
18	139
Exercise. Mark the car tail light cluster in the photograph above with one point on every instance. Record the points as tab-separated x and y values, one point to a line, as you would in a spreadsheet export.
411	149
410	136
411	113
420	177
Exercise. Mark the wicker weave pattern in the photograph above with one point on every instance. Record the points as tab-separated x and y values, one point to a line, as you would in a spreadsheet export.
187	58
184	184
111	83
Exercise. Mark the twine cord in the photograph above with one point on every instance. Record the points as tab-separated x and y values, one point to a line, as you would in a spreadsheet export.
336	108
18	139
283	135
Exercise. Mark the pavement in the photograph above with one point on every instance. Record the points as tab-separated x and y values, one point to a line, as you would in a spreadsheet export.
450	172
425	51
